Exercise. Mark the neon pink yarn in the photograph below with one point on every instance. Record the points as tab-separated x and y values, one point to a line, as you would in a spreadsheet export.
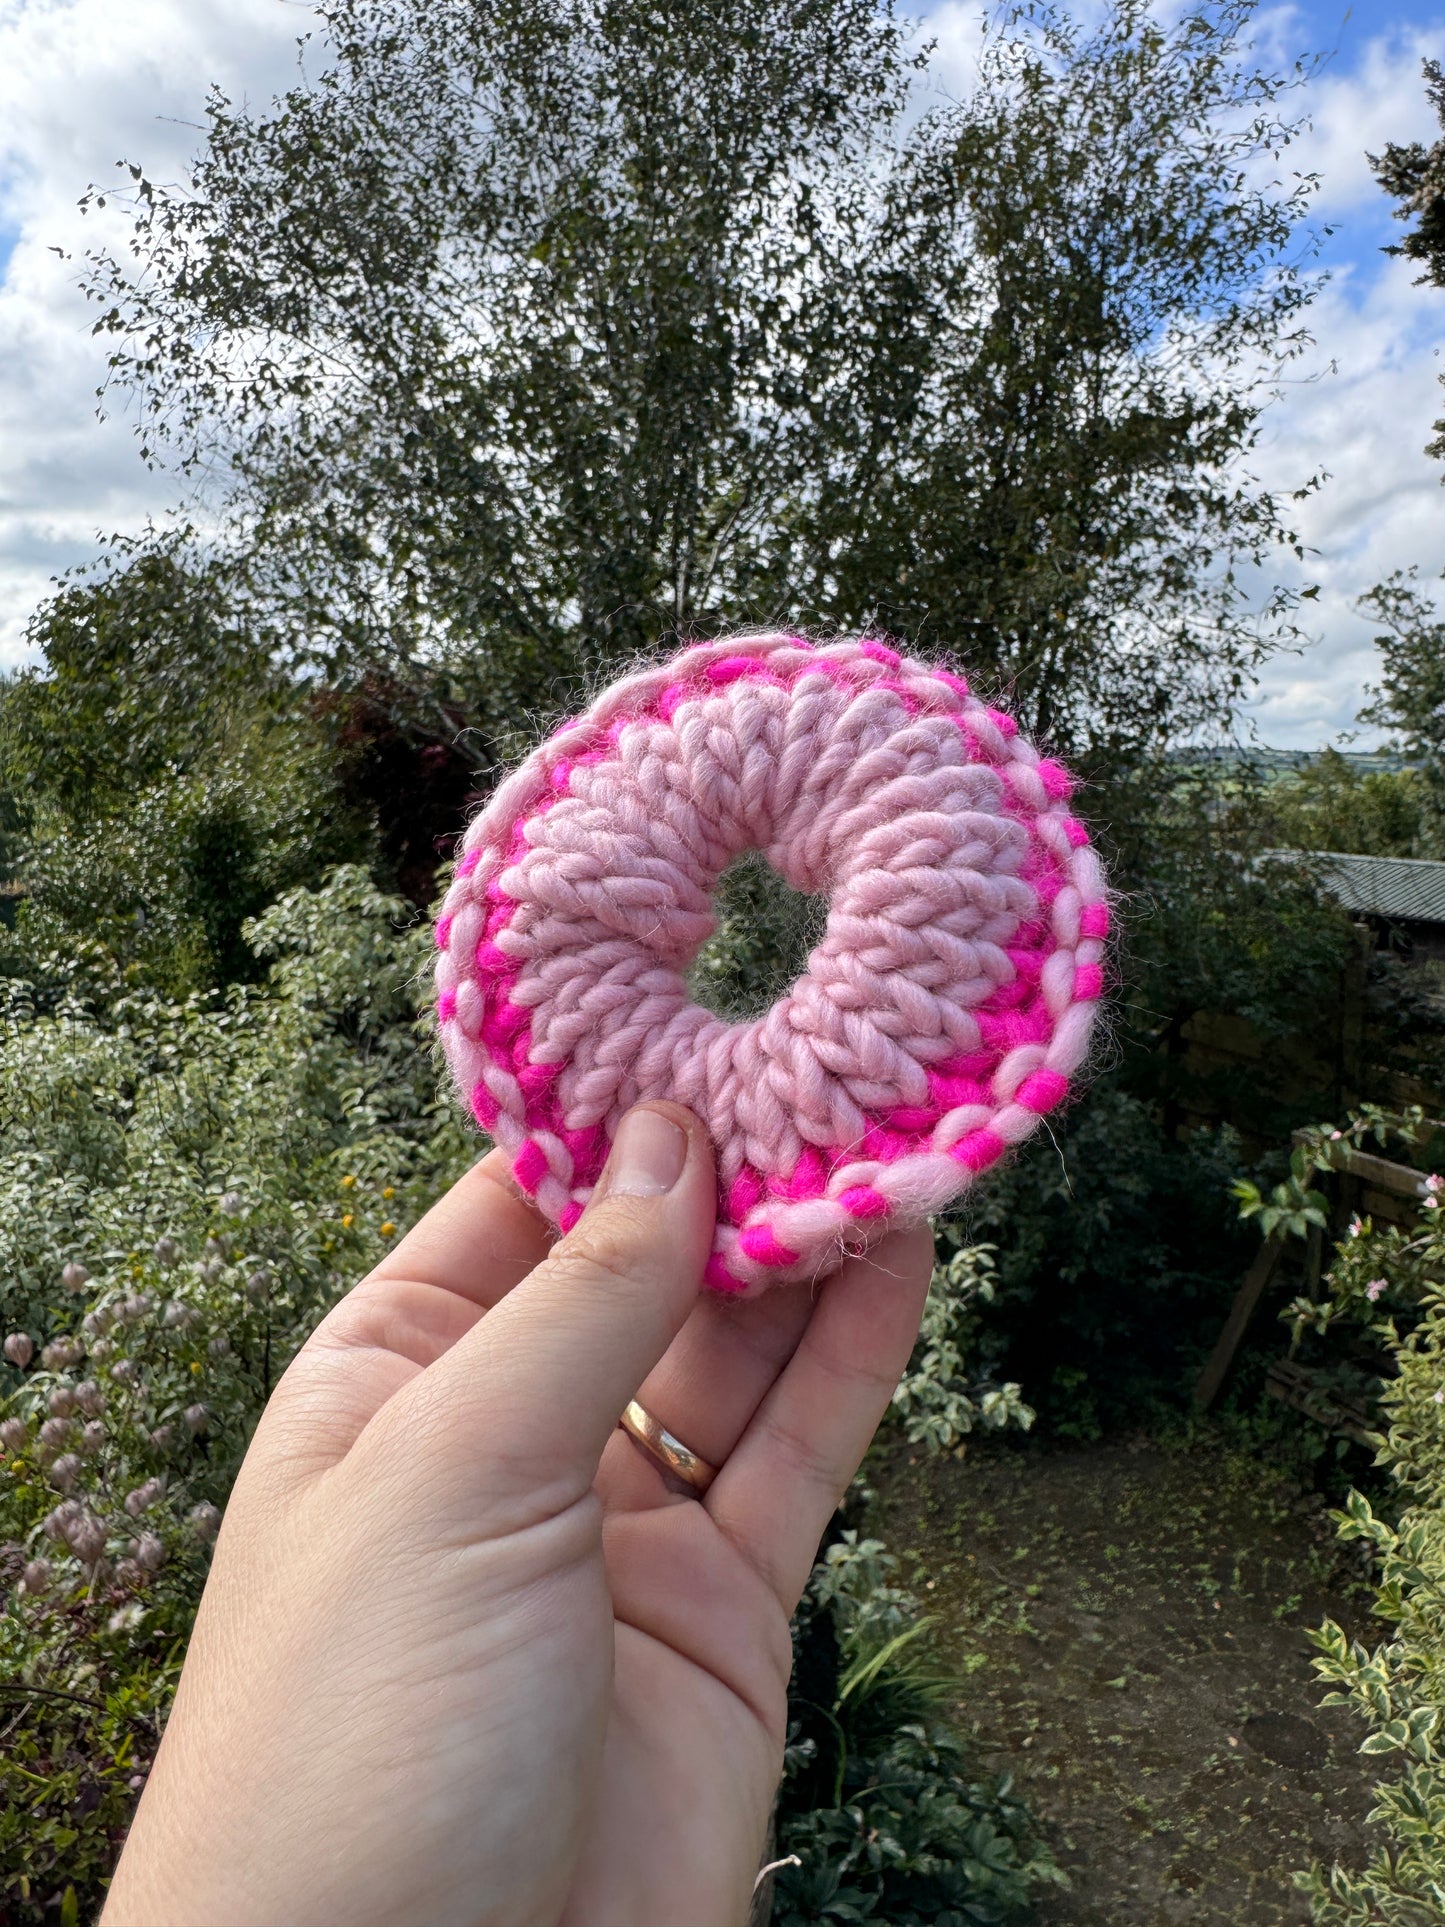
945	1010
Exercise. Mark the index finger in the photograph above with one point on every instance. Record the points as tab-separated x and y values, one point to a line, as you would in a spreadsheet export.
475	1244
477	1241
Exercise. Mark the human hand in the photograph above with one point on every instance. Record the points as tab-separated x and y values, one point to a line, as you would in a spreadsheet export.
465	1654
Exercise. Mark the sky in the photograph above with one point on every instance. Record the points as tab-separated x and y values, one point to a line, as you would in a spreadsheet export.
84	83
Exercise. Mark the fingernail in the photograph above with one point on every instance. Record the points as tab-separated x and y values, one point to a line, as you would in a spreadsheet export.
648	1154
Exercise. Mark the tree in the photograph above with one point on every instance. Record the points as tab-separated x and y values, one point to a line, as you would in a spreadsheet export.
1414	175
145	669
1410	697
518	338
1330	804
169	777
1090	302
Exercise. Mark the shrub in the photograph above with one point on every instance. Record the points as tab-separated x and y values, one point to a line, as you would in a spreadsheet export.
1398	1686
185	1188
165	779
941	1397
880	1801
1114	1262
1388	1282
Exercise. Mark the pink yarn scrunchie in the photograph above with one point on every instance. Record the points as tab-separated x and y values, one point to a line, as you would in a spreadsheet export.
943	1013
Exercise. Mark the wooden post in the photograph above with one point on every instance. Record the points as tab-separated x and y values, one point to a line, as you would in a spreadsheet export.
1245	1303
1385	1189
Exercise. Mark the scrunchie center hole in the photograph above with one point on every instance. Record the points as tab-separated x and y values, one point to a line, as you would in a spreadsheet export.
765	930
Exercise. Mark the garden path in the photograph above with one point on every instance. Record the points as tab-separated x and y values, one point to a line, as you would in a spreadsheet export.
1130	1623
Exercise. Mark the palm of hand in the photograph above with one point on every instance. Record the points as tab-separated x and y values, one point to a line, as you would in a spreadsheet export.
465	1633
703	1593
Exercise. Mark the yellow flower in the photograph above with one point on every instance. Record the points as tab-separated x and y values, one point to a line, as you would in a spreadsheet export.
388	1191
348	1181
388	1229
195	1367
346	1219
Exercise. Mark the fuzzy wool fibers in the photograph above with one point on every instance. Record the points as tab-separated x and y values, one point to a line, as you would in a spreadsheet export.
945	1010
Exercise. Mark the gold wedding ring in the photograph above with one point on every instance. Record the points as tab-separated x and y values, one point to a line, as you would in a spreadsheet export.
670	1453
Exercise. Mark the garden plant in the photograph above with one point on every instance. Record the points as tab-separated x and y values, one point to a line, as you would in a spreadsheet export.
507	346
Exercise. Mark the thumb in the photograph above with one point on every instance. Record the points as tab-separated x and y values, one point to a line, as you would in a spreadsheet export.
534	1390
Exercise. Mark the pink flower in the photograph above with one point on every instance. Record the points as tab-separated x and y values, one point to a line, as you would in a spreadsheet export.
1435	1182
1374	1288
1357	1225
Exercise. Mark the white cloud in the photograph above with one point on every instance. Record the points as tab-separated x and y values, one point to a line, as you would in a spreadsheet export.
1366	415
84	82
1363	402
1381	508
1355	113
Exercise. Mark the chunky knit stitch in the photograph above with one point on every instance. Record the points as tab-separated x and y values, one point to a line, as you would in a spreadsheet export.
945	1010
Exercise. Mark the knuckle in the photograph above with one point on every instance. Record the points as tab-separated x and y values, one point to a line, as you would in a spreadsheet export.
585	1266
803	1461
613	1241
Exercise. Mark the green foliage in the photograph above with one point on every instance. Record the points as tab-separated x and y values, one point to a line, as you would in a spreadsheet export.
1385	1280
168	783
1414	176
1387	1283
521	298
159	893
765	930
1116	1263
1296	1209
939	1398
1331	805
1291	1207
1081	330
1116	1252
1215	931
1410	700
185	1187
526	335
879	1801
926	1845
146	669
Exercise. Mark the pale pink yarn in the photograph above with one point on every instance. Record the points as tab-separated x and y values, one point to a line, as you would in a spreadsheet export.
945	1010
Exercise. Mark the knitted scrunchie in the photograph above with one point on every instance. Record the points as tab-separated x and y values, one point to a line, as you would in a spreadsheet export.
942	1014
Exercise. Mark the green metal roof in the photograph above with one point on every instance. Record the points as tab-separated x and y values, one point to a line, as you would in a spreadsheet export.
1406	889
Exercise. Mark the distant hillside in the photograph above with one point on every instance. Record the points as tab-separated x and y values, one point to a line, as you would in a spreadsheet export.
1284	762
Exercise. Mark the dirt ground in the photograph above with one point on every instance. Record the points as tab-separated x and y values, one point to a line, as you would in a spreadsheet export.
1128	1625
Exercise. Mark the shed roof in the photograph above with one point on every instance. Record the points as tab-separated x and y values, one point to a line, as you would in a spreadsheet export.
1409	889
